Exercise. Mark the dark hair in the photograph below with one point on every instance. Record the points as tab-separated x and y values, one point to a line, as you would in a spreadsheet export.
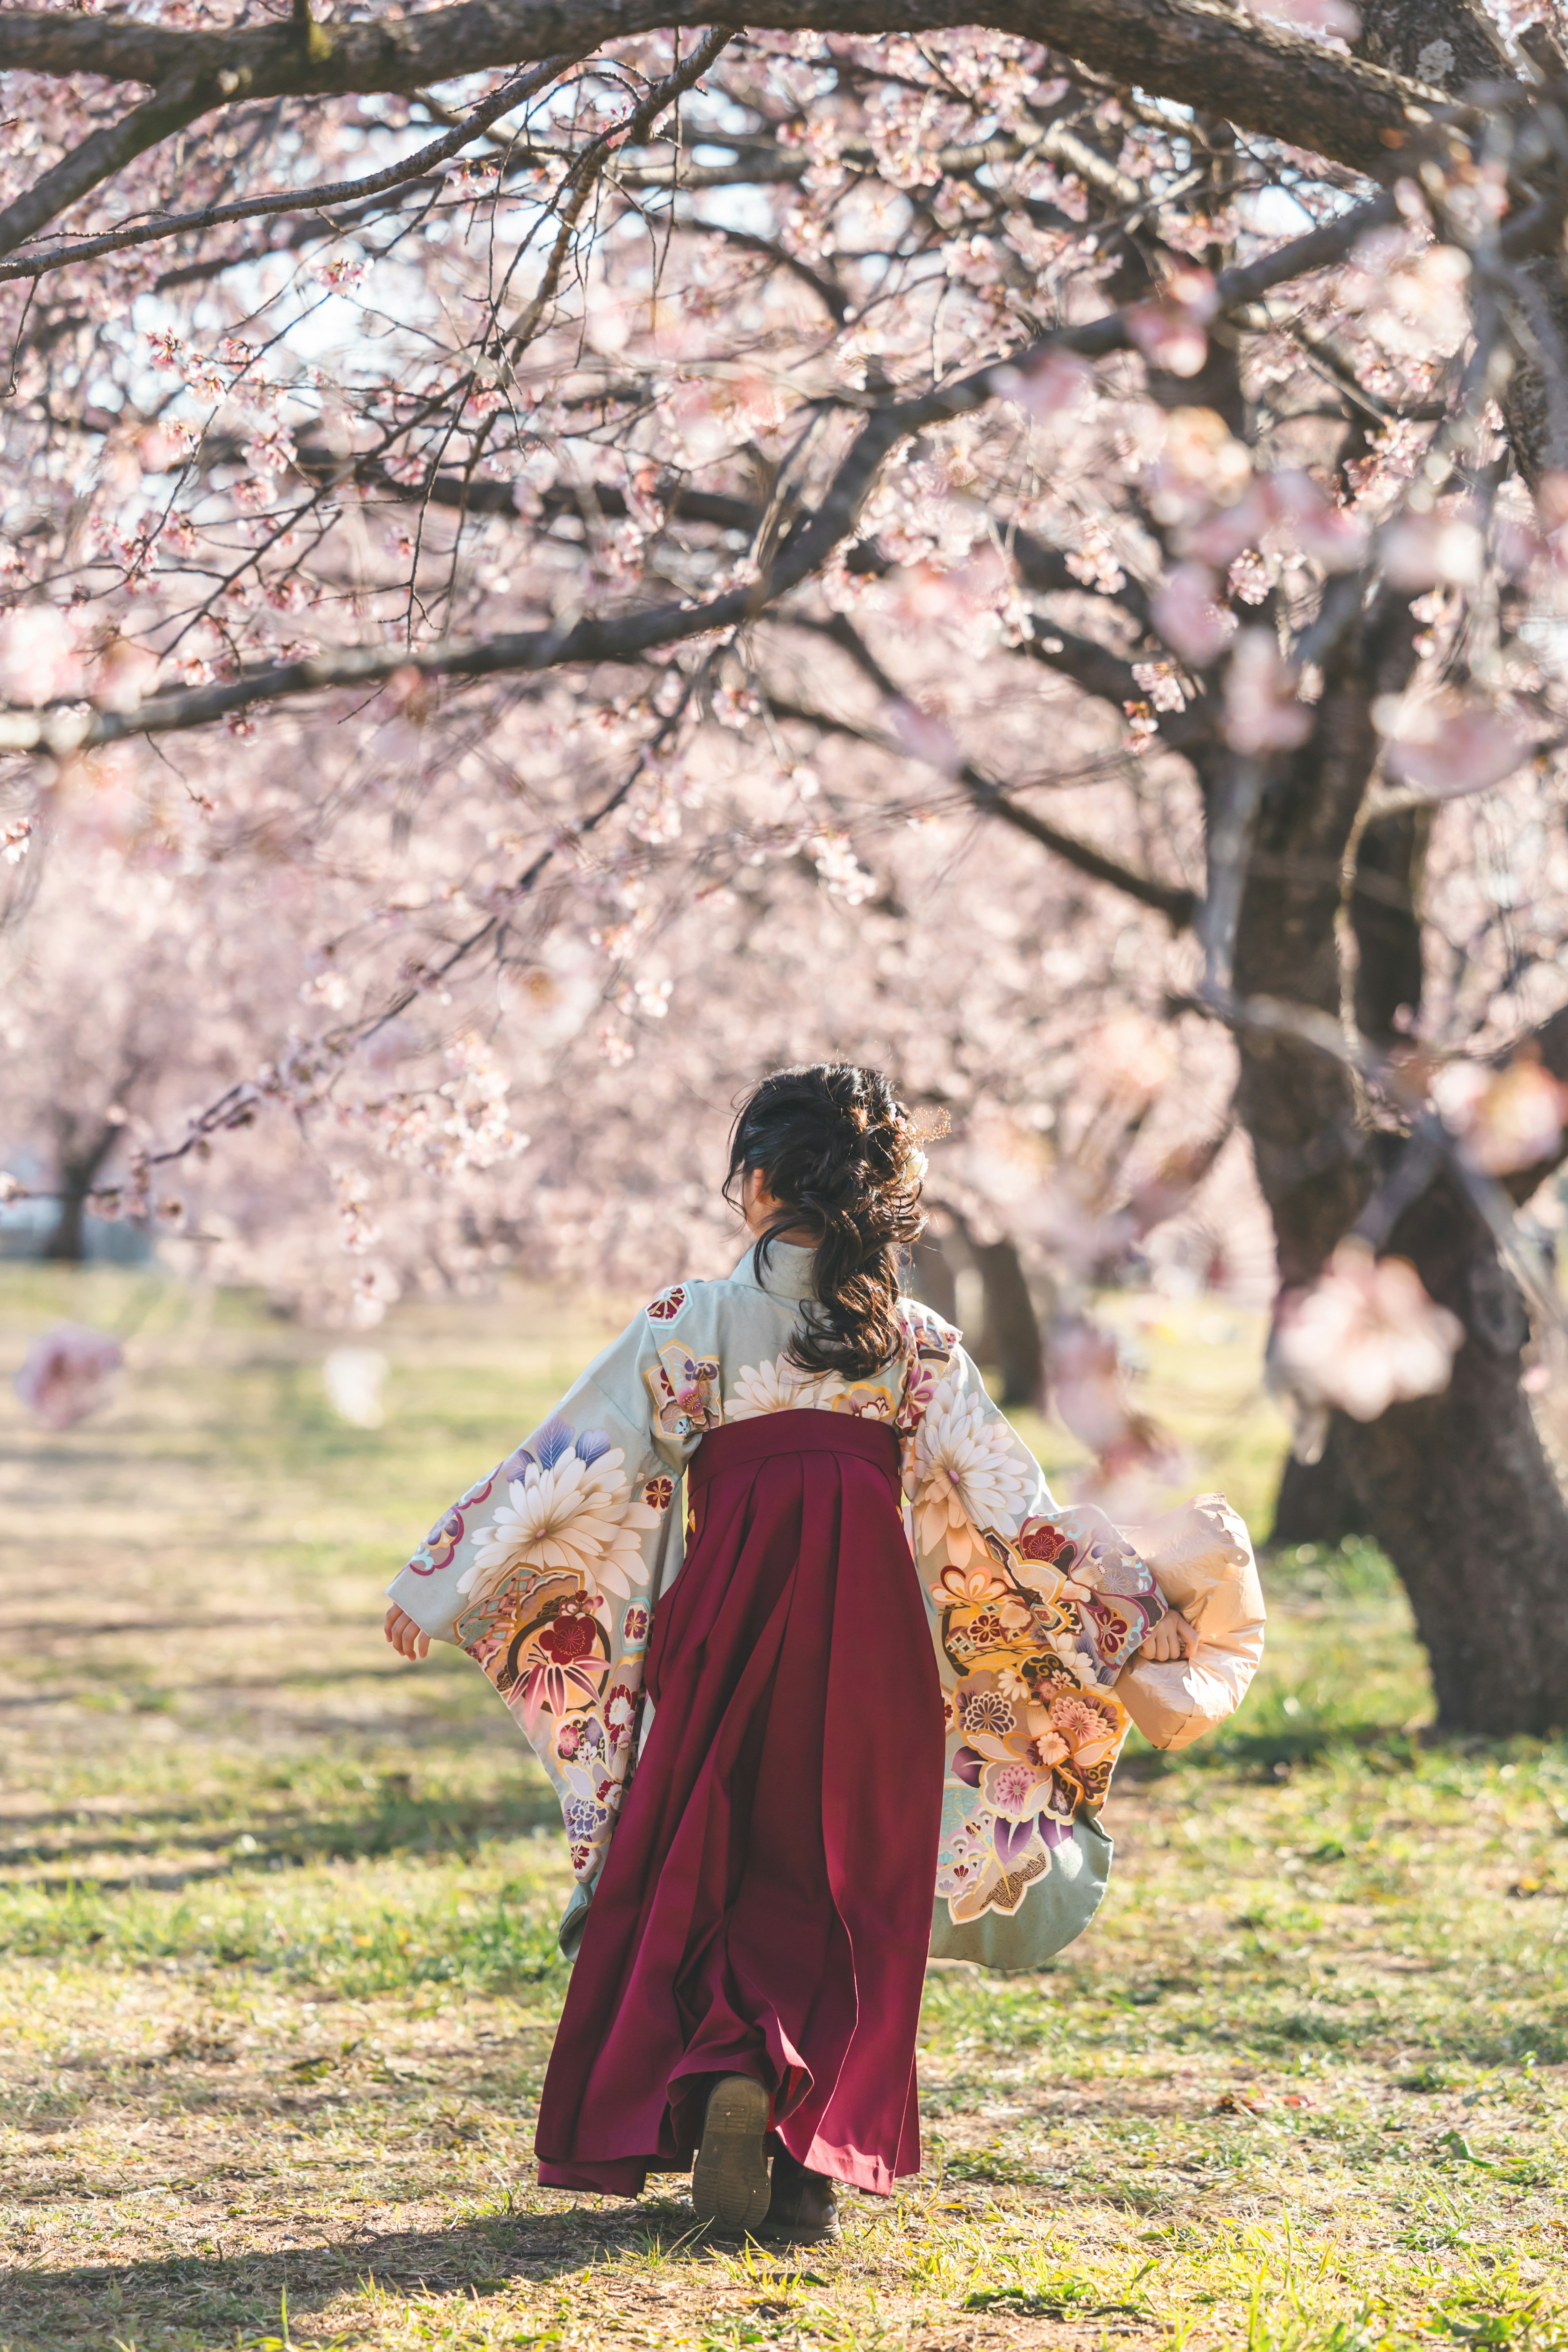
837	1146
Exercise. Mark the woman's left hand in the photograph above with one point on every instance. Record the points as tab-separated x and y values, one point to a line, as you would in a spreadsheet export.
1172	1638
405	1636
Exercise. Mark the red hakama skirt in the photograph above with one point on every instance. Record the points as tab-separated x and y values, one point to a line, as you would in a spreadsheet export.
765	1905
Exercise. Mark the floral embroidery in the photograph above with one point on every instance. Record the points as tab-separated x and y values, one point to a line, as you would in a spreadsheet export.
1114	1626
920	1387
868	1402
685	1391
658	1494
570	1507
964	1473
1041	1540
540	1639
1033	1739
930	1337
1055	1755
440	1548
668	1304
620	1713
635	1625
986	1711
778	1386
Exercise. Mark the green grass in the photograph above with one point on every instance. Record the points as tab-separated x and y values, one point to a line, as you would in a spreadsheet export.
277	1975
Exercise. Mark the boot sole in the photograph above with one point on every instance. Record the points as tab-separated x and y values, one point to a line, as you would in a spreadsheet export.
798	2233
730	2186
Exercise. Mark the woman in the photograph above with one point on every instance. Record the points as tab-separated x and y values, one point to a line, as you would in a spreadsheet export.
824	1728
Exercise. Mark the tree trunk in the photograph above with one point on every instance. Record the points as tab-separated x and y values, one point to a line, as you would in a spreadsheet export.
67	1245
1459	1491
79	1172
1010	1335
1008	1340
1450	44
1317	1503
1456	1488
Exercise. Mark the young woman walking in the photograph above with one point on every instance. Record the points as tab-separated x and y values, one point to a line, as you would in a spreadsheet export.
870	1659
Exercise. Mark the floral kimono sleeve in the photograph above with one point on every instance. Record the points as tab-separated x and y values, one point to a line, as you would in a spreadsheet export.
1033	1727
545	1572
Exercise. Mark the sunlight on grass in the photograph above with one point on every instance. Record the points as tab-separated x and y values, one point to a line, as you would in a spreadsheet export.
277	1972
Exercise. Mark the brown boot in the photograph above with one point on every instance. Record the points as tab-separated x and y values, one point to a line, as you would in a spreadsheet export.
804	2211
729	2178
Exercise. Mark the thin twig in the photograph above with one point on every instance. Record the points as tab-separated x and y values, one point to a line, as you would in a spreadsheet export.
297	200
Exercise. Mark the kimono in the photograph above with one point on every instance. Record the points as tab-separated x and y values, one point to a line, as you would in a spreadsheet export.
549	1573
546	1572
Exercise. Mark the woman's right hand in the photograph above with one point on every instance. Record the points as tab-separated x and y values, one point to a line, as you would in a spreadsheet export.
1171	1639
405	1636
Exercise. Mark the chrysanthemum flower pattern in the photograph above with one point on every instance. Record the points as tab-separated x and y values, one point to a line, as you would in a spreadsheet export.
573	1507
778	1386
964	1474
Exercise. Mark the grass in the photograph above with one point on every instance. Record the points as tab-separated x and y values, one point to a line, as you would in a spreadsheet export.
277	1975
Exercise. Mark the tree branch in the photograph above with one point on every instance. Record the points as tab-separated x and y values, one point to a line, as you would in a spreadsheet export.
295	200
578	185
1179	906
100	156
828	292
631	636
1202	53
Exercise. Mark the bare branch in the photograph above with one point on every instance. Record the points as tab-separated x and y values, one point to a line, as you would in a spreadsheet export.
580	181
306	199
1179	906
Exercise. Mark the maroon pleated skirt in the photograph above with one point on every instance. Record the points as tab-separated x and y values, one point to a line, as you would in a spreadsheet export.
765	1905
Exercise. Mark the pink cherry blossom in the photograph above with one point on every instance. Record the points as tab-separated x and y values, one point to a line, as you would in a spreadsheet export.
1219	537
1169	331
1449	743
1286	509
1508	1119
1262	710
926	737
743	844
1187	611
1056	384
66	1374
1418	550
1201	465
1365	1335
161	447
123	676
40	656
1331	535
1133	1056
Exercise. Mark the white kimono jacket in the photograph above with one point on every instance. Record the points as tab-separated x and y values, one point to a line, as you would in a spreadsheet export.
546	1572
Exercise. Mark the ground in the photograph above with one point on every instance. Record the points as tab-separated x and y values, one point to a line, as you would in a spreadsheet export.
277	1975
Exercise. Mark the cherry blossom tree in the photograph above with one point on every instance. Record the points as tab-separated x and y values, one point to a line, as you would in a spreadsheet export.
622	544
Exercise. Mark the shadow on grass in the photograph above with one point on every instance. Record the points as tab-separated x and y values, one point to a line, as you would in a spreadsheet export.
1268	1751
400	1824
202	2299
